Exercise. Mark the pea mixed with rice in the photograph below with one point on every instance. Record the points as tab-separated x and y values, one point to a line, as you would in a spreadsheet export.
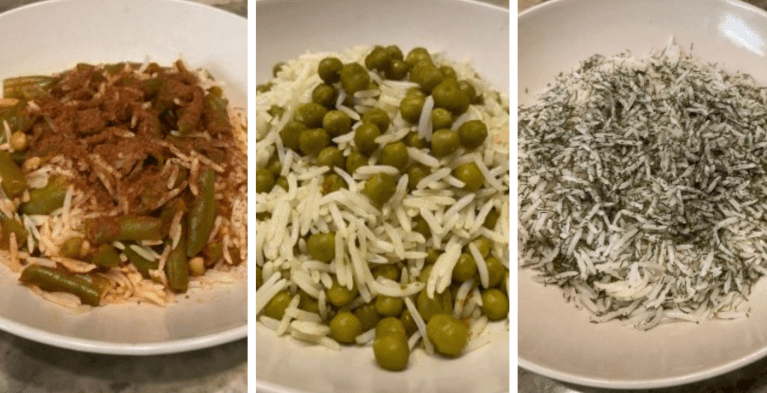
641	188
121	182
382	208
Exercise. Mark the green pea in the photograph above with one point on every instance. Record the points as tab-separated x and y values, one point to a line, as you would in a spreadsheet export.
491	219
313	141
378	59
263	88
391	352
274	165
390	325
308	303
390	272
417	55
377	116
448	72
282	182
340	296
470	174
291	133
421	226
336	123
325	95
395	52
416	173
345	327
425	273
448	334
395	154
444	142
389	306
410	108
331	157
354	78
495	271
426	75
415	92
264	180
432	255
328	69
367	315
469	90
413	140
380	188
277	68
276	111
442	303
354	161
472	133
322	246
449	95
365	136
495	304
484	245
259	277
310	114
408	323
277	306
332	183
465	269
397	70
441	118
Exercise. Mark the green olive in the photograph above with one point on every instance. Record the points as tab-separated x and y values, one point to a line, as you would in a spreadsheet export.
397	70
465	269
325	95
313	141
442	303
380	188
332	183
336	123
441	118
345	327
448	95
354	78
354	161
340	296
329	68
378	59
472	133
367	315
448	334
277	305
470	175
495	271
410	108
322	246
444	142
389	271
395	154
331	157
291	133
264	180
426	75
310	114
389	306
495	304
377	116
365	136
391	352
416	55
390	325
413	140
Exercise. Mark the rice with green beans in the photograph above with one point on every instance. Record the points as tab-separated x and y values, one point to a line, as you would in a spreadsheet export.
122	183
389	240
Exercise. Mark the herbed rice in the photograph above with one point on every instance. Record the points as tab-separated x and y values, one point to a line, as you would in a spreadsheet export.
367	237
47	233
641	188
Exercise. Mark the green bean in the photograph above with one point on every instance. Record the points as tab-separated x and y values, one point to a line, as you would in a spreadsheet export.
17	122
134	228
8	226
28	87
106	256
142	264
55	280
215	109
47	199
72	247
169	210
202	214
14	183
177	267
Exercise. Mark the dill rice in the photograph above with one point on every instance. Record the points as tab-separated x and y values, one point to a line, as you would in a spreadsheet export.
641	188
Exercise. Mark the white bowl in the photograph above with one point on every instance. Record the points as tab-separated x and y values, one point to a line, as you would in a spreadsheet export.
557	340
53	36
478	33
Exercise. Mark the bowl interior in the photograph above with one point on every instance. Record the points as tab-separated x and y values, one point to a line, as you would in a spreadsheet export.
111	31
557	340
464	31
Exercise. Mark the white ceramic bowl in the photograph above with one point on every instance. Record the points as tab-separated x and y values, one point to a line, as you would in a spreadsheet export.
557	340
55	35
465	31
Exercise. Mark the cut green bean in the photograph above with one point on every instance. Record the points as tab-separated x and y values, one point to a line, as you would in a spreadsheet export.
202	214
106	256
142	264
28	87
14	183
47	199
133	228
177	268
54	280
